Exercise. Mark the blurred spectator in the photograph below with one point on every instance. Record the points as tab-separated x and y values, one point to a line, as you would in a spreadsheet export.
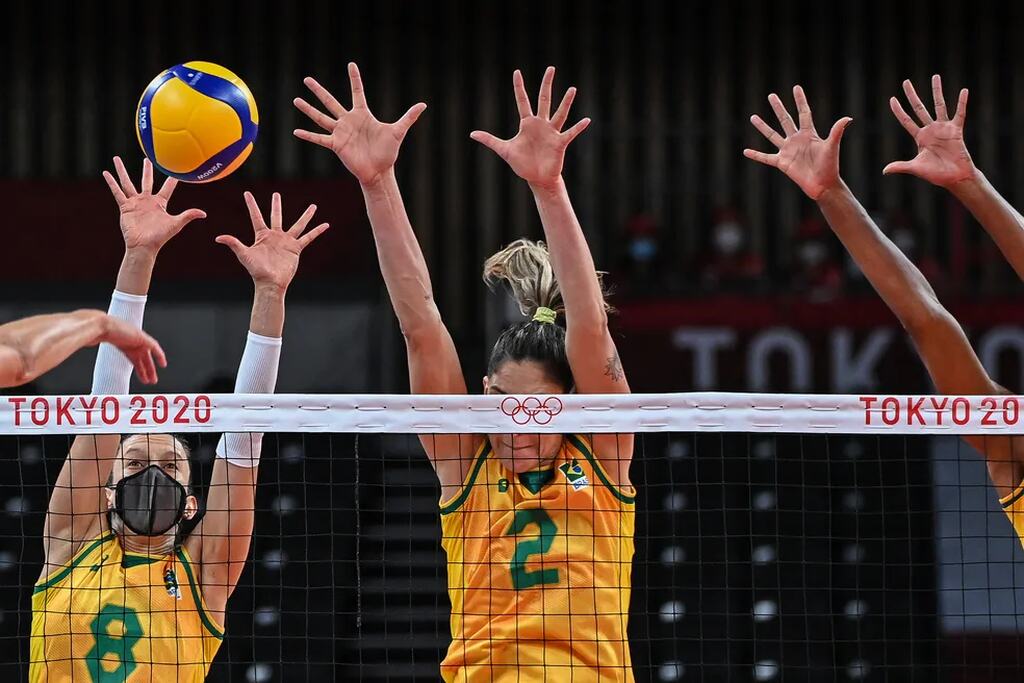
905	235
643	270
728	262
817	272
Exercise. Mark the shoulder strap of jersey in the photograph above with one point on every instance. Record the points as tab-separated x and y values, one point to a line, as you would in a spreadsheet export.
581	445
481	458
60	574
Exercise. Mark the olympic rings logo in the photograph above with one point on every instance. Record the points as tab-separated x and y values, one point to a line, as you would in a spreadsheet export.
531	409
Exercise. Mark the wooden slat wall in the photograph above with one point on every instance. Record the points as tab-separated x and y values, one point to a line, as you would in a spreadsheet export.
670	86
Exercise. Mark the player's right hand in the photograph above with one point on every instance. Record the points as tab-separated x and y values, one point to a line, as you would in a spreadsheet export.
141	349
367	147
145	223
942	157
808	160
273	258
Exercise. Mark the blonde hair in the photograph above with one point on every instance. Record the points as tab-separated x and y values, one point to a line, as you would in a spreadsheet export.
525	267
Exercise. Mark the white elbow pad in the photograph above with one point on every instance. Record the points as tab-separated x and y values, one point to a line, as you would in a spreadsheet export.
112	373
257	374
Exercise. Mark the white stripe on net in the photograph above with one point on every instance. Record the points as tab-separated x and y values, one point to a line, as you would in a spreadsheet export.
589	414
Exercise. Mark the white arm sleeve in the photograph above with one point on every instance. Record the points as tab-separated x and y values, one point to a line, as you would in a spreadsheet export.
113	371
257	374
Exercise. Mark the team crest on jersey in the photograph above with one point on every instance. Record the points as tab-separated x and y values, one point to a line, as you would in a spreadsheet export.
171	583
574	474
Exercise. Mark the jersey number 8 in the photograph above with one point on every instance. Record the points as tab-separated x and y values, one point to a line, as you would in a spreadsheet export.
112	647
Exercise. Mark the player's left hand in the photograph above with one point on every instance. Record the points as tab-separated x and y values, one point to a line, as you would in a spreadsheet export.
273	258
537	151
810	161
942	157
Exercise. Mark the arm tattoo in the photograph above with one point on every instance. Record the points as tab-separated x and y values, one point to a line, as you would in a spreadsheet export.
613	368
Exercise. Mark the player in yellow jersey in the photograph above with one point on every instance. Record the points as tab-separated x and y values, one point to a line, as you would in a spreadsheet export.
124	596
813	164
538	529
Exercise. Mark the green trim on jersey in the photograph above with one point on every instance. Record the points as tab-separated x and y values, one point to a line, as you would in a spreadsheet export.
77	560
197	598
536	480
130	561
579	445
485	450
1014	497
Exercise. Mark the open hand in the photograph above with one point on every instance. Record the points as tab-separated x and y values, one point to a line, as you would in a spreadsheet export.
942	157
273	258
365	145
809	161
145	222
537	152
141	349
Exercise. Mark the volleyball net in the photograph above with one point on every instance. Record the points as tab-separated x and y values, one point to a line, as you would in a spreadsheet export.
777	537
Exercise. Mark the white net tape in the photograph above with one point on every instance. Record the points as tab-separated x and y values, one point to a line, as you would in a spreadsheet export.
588	414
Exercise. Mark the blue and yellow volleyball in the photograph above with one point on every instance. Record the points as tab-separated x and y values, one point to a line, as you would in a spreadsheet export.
197	122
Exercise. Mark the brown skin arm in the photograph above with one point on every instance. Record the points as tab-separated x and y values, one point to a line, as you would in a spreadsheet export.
943	160
940	341
813	163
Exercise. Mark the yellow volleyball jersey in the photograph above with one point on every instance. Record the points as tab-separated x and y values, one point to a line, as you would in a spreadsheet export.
539	580
1013	506
113	617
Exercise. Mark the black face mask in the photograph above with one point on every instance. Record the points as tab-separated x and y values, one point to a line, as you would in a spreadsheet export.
149	502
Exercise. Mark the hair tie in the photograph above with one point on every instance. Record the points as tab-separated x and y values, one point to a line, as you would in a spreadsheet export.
545	315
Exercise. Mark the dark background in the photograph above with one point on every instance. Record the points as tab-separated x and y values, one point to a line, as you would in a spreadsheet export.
656	178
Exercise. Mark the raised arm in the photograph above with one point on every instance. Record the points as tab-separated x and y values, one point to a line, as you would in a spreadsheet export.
220	544
813	164
537	154
942	159
77	504
369	149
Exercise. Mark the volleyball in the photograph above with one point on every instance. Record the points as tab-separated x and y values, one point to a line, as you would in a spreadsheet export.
197	122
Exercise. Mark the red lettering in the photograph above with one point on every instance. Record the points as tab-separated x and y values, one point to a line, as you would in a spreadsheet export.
914	410
138	404
42	403
965	410
1011	411
988	405
64	411
110	410
890	410
88	406
203	403
182	403
160	409
940	408
867	401
16	401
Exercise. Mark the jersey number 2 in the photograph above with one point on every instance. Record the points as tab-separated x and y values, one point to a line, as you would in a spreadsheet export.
521	578
116	630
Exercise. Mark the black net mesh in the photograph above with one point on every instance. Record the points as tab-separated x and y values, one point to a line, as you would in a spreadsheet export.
758	558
